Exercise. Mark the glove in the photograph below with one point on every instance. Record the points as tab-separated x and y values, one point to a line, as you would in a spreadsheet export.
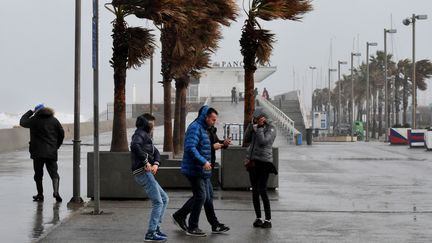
38	107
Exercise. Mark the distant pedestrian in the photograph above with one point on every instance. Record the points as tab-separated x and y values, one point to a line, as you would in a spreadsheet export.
265	94
46	137
234	95
255	92
196	166
145	164
260	135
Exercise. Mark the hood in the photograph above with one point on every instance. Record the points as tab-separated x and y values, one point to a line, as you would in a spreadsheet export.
45	112
259	111
142	123
201	119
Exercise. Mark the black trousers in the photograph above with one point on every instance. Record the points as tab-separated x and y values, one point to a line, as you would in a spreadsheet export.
188	207
258	179
51	166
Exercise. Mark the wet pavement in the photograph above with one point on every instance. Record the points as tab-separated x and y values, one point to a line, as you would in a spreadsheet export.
329	192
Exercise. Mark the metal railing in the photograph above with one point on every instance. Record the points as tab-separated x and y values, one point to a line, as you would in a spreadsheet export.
234	131
285	123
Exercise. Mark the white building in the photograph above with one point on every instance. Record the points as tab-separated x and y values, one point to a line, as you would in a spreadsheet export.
218	80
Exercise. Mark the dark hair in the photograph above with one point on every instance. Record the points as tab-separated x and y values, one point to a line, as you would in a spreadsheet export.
148	117
211	110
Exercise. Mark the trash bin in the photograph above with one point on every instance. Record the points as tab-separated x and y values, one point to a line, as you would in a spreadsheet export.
309	136
298	138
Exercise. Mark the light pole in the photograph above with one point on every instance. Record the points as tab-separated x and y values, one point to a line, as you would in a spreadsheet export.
367	88
329	96
386	95
352	94
77	93
340	89
151	85
407	21
312	68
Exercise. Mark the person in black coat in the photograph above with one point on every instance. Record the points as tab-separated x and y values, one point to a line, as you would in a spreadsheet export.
46	137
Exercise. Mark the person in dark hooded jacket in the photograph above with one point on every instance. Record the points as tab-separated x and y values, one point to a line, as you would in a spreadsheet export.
145	163
46	137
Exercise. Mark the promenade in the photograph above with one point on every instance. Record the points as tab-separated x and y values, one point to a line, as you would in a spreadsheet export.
329	192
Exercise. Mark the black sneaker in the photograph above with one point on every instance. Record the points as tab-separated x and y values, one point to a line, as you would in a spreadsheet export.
258	223
38	198
196	232
266	224
219	229
180	222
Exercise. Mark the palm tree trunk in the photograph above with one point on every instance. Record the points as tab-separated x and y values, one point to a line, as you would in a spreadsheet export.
404	102
249	101
380	112
119	141
396	104
374	105
183	114
176	137
167	46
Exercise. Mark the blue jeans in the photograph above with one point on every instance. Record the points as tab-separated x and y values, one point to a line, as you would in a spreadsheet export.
157	196
202	195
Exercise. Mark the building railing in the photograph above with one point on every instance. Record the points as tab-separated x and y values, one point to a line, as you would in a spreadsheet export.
234	131
285	123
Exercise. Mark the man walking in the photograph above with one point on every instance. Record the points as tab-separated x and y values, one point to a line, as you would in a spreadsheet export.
145	164
196	167
46	137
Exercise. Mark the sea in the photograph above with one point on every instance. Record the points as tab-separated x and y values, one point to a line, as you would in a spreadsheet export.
10	120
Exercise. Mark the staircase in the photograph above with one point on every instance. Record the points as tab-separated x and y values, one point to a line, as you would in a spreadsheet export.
290	104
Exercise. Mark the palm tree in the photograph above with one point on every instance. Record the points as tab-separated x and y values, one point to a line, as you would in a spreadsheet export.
170	18
257	43
131	47
201	40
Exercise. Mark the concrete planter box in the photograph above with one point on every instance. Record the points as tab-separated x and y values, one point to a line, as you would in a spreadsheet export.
117	181
428	139
233	172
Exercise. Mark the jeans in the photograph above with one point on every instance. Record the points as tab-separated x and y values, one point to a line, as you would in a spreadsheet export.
157	196
208	204
258	179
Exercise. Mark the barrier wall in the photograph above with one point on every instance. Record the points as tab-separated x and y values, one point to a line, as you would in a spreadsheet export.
18	138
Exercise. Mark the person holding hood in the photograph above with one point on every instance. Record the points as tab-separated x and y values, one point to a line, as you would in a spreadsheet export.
46	137
260	135
196	166
145	164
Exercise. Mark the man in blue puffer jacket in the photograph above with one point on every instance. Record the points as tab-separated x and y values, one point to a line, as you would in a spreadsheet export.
196	167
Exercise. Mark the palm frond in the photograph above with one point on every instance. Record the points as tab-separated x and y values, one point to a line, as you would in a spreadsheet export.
141	45
283	9
265	41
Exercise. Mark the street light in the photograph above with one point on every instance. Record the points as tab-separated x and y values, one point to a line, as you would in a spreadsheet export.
329	96
367	87
353	54
408	21
386	108
312	68
340	88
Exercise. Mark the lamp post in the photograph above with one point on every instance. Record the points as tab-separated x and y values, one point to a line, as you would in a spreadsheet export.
408	21
367	88
352	94
386	95
329	96
312	68
151	85
340	88
77	87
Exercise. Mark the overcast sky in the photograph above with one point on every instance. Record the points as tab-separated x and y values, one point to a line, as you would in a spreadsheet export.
37	49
